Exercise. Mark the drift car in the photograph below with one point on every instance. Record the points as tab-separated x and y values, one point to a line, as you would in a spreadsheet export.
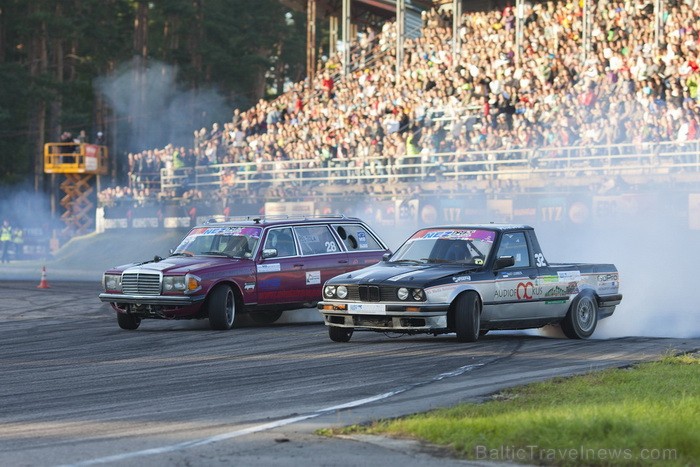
257	266
469	280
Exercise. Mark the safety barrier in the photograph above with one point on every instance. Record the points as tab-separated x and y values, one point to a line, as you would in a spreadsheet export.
648	160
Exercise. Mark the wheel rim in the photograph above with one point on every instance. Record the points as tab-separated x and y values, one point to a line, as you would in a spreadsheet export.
229	308
585	314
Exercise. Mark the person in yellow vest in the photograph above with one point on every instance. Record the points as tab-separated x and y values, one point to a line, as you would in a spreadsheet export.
18	241
5	240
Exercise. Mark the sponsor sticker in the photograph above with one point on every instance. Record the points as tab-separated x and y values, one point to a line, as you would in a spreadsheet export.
269	267
362	240
568	276
483	235
547	280
608	279
313	277
249	286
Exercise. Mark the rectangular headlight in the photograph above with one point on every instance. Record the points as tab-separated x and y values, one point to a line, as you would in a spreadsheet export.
112	282
173	283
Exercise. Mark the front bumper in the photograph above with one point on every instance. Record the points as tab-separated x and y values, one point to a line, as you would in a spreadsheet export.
162	300
386	317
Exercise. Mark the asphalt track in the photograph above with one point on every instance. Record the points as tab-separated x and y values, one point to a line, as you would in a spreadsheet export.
77	390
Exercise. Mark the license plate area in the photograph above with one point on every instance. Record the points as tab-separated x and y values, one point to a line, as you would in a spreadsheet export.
367	308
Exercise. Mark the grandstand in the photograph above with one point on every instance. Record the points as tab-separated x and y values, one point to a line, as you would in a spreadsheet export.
558	125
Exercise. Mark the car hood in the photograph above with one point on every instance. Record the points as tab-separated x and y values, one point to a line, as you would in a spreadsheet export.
395	274
182	264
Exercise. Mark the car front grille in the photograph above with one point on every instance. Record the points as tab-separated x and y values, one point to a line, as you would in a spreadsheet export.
371	293
141	284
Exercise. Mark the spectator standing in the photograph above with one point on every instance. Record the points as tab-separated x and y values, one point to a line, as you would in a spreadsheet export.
18	241
5	240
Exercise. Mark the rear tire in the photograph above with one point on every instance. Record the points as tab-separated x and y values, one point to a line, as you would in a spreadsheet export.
221	308
128	321
582	317
467	319
339	334
265	317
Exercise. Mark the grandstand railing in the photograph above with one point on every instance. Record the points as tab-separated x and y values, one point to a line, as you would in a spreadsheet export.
646	159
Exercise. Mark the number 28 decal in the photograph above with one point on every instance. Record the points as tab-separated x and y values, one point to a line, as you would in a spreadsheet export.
539	258
331	247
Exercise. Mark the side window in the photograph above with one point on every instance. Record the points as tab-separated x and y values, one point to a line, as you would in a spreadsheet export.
316	240
281	240
357	237
515	245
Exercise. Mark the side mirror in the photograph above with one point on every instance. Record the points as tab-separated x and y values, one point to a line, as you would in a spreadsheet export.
386	256
269	253
504	262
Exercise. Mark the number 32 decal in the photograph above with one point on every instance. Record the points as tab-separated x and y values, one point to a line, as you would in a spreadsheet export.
539	258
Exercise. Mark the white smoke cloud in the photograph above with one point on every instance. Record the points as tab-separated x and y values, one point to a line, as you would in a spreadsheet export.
157	112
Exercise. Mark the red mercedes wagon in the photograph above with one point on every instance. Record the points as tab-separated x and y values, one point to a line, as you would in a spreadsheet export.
257	266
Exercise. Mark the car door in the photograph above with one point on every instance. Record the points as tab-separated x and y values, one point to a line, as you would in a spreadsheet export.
518	292
322	257
281	277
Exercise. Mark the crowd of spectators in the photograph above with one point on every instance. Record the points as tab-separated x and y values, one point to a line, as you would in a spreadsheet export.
553	93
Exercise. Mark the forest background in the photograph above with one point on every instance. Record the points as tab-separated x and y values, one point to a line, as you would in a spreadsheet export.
146	73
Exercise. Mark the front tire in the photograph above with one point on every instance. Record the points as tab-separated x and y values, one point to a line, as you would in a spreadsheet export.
128	321
582	317
221	308
467	317
339	334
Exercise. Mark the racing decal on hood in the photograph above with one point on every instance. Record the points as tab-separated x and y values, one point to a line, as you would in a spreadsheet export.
359	274
461	278
401	276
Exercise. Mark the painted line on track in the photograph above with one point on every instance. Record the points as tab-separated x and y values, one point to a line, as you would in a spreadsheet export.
268	426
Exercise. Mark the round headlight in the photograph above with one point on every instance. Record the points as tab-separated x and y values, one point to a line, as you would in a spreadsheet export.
342	291
329	291
418	294
402	293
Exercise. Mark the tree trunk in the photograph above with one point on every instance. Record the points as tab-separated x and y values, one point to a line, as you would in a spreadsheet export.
141	30
3	38
39	64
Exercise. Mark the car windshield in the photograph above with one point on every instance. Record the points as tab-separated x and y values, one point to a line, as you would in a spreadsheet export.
233	242
458	246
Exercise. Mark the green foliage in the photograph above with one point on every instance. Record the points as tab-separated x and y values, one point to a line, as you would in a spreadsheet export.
55	51
13	112
625	416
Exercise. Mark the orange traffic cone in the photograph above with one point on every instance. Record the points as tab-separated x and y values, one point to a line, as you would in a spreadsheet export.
43	284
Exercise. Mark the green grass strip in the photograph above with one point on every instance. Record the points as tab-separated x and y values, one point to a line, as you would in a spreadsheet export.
642	415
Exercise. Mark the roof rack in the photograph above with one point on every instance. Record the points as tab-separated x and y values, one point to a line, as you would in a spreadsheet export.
257	219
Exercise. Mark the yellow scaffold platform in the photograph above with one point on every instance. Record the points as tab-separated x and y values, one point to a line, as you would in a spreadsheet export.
81	164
